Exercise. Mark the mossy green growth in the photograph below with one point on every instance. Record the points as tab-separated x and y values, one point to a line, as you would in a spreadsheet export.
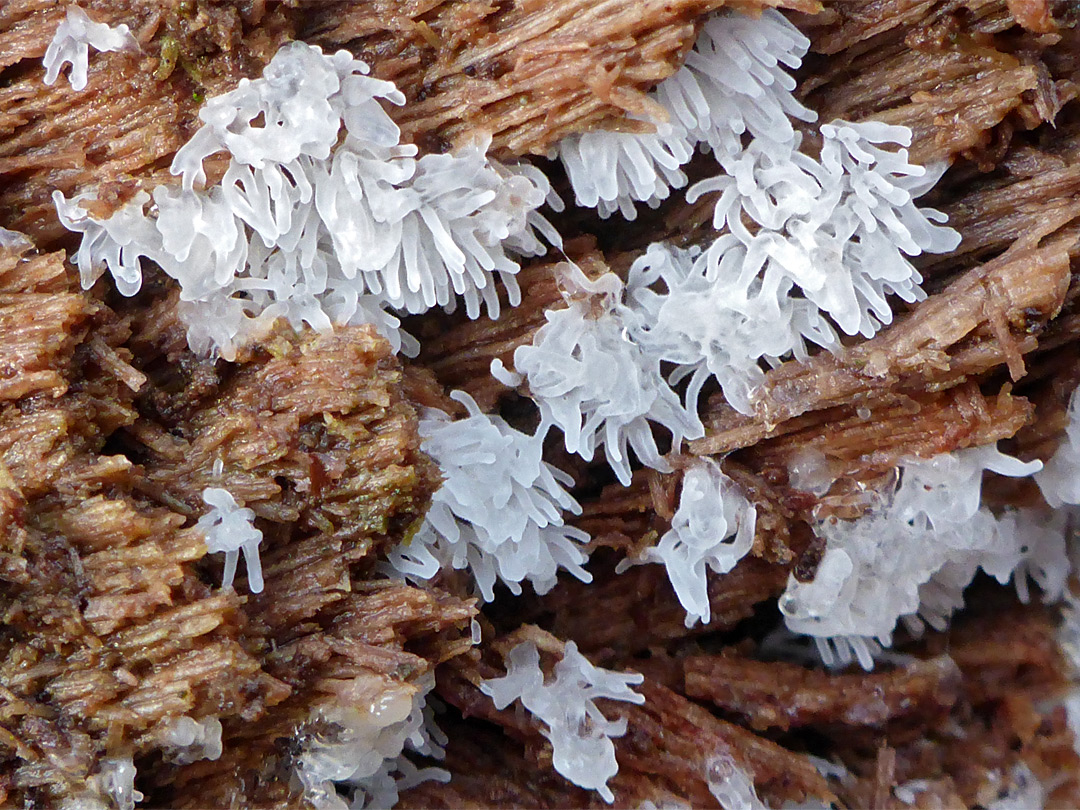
170	55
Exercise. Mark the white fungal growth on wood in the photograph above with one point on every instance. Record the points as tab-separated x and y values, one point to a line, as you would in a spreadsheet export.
594	382
829	245
362	759
579	733
1059	480
111	787
911	556
734	82
499	511
713	528
322	217
231	529
71	44
187	740
732	787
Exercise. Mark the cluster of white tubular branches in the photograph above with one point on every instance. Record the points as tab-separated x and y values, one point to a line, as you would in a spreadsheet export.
910	557
366	758
322	217
231	529
579	733
499	510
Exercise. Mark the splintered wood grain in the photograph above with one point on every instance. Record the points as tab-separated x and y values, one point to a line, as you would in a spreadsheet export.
527	73
986	319
136	110
113	625
1007	712
96	578
964	76
357	657
784	696
872	438
642	610
313	431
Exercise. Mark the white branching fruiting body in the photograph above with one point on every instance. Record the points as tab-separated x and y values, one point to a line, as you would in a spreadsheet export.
71	44
579	733
609	171
594	382
837	230
911	557
713	528
366	756
736	82
111	787
731	785
231	529
322	216
706	327
808	248
500	508
830	245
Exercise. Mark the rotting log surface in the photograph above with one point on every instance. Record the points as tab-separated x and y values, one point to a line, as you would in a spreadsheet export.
110	427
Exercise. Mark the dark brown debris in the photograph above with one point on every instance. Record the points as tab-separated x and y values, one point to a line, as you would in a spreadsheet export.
1008	712
490	770
641	608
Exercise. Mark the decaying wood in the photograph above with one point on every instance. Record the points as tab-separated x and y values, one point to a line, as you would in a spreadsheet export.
313	431
1008	712
98	582
110	428
112	628
488	769
860	439
353	658
1029	188
962	75
784	696
526	72
137	108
